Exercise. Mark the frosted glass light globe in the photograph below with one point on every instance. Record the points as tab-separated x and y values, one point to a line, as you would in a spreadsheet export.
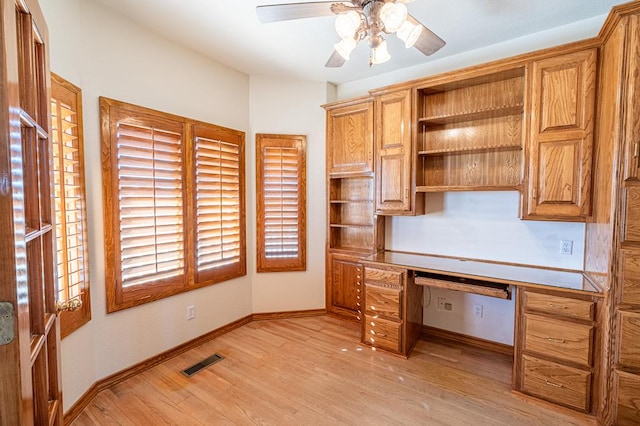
347	24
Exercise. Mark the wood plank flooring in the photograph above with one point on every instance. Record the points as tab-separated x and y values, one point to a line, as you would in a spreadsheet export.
313	371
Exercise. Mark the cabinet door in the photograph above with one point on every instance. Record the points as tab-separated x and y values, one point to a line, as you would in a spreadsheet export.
393	153
345	291
561	136
632	96
350	139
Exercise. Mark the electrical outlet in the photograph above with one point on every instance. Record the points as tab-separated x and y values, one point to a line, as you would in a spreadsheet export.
566	247
191	312
441	303
477	311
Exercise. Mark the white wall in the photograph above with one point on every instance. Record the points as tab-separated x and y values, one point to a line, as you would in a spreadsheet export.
292	107
107	55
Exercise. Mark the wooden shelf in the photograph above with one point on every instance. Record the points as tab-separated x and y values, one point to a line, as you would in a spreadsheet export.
351	250
351	201
499	111
468	188
349	225
471	149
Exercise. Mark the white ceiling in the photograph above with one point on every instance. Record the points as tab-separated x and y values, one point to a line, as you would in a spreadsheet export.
228	31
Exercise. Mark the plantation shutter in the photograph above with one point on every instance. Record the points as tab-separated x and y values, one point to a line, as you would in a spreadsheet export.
150	201
219	193
174	204
69	198
281	212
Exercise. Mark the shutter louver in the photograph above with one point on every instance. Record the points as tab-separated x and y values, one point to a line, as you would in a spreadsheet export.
218	196
281	202
149	167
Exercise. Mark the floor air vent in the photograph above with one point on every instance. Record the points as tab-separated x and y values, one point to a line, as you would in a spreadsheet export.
202	365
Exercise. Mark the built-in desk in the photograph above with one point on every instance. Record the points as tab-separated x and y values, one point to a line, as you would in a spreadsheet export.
487	272
558	321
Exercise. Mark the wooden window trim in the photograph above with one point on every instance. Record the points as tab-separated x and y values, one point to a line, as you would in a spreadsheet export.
69	94
119	297
283	264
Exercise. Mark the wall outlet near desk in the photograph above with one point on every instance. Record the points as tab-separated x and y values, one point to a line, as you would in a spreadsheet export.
477	310
443	305
566	247
191	312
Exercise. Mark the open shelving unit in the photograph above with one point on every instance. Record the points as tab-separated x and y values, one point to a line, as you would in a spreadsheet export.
470	134
352	225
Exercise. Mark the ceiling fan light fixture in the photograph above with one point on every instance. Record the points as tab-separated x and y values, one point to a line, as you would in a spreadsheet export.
393	15
379	54
409	33
345	46
347	23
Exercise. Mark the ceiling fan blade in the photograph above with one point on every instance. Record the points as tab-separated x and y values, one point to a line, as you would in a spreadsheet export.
335	60
287	11
428	42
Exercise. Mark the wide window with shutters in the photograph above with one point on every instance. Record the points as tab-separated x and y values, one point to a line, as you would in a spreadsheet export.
173	203
70	203
281	202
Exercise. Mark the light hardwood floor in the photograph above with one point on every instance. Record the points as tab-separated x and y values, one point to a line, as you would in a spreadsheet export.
313	371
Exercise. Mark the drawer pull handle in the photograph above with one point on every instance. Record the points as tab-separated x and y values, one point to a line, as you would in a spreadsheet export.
381	335
555	385
556	306
555	340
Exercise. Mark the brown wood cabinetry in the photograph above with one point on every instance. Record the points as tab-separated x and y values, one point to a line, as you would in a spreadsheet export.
394	155
555	348
392	309
350	126
622	117
470	133
353	229
345	288
561	136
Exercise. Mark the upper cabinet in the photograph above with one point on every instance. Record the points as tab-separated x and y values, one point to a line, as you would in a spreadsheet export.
560	144
632	107
469	133
394	155
350	126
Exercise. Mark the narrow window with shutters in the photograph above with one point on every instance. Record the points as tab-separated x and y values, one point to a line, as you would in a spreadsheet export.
175	188
281	202
219	206
70	202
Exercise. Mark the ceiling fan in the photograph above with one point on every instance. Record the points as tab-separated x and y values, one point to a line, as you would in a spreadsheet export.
357	20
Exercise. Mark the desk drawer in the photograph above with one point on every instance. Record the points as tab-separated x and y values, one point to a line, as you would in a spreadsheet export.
563	340
557	383
383	301
570	308
382	333
394	278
